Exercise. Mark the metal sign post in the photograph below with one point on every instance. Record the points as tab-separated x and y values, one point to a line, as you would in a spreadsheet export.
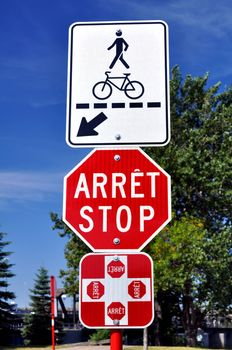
53	301
115	339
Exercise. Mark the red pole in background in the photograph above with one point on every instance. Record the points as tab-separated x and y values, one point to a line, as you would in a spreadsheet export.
53	300
115	339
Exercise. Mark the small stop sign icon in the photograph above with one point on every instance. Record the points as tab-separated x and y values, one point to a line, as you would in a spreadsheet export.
115	269
95	290
137	289
117	199
116	311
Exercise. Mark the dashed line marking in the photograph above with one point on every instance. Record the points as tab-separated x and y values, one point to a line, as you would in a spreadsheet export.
136	105
82	105
119	105
100	105
153	104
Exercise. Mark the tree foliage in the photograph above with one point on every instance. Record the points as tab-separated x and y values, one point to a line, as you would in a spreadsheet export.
6	296
37	324
74	250
194	267
195	259
199	155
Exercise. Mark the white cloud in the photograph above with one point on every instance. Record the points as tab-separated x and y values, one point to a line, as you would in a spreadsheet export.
29	186
212	17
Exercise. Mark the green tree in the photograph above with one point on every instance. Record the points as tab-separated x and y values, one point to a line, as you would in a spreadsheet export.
194	267
5	295
37	324
74	250
198	158
199	155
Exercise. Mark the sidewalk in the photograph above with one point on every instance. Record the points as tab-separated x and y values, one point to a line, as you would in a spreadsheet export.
83	346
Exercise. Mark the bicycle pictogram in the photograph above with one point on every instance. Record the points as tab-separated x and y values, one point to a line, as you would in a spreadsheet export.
132	88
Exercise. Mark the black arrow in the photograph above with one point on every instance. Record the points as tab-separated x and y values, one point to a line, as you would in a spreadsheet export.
87	128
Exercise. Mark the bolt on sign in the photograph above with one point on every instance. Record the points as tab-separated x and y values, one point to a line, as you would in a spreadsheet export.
118	84
117	199
116	290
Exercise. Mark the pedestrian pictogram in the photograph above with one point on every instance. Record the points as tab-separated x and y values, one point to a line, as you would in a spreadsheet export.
118	88
120	45
123	300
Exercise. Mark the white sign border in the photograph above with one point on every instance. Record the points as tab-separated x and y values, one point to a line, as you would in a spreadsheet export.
151	291
117	143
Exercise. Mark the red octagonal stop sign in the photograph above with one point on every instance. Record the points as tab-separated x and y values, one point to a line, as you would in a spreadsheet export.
116	311
115	269
95	290
136	289
117	199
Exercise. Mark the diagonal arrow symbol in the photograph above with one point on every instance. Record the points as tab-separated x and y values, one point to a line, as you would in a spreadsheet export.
87	128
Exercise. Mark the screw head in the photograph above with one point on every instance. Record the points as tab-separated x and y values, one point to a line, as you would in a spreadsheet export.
116	322
116	240
117	157
116	258
118	137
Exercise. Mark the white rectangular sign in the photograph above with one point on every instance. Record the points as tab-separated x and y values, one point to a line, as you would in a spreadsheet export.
118	84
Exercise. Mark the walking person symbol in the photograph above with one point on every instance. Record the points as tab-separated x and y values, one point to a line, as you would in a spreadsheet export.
119	43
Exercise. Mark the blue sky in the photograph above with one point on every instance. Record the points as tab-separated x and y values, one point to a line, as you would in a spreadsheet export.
34	156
